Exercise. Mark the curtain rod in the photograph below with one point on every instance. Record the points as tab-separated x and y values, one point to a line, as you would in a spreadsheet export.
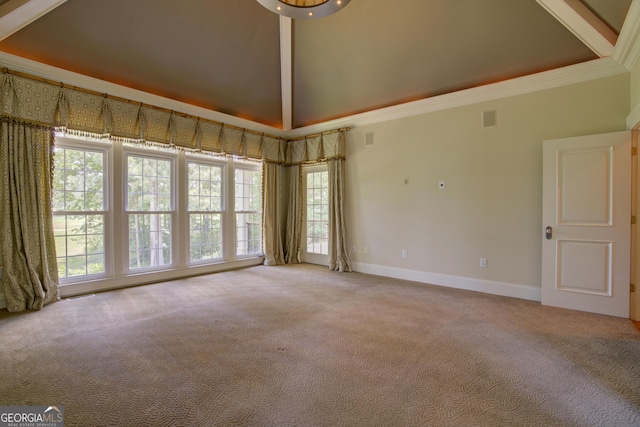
299	138
6	70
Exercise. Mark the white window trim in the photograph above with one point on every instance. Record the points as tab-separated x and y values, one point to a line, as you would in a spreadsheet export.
250	166
224	202
117	274
173	212
104	147
311	258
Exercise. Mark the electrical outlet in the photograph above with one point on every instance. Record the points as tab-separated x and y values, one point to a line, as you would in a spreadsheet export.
404	253
365	250
442	185
483	262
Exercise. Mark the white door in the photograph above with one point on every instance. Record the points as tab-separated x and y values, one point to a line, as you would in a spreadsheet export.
586	214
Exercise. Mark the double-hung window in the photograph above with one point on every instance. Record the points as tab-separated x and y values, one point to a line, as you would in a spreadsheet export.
205	206
123	210
149	209
317	215
79	209
248	209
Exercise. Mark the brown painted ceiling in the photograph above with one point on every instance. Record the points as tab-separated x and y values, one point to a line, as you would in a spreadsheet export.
225	54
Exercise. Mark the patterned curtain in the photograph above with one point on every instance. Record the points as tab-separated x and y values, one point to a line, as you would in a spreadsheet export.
272	213
294	216
280	187
338	251
27	246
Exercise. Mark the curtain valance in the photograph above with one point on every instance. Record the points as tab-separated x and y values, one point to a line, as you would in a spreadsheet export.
321	147
41	101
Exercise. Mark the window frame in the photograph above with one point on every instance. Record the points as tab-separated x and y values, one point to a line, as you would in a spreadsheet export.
117	273
155	153
253	167
223	212
106	149
312	257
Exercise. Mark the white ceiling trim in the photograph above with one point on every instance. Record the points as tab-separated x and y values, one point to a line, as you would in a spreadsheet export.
586	71
38	69
286	71
584	24
627	50
596	69
16	14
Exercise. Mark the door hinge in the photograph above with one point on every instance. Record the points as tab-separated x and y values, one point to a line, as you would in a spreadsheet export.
633	219
634	151
633	288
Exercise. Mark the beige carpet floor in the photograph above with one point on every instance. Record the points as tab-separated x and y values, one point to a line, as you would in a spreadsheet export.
301	346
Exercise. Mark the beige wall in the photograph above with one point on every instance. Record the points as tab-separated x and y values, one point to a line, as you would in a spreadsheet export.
492	203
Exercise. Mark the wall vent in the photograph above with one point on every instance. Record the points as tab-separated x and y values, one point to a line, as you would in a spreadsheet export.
489	119
368	139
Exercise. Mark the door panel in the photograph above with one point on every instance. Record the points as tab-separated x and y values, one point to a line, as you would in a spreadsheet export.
585	182
587	204
574	256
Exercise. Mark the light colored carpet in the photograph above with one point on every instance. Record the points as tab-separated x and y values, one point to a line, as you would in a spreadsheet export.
301	346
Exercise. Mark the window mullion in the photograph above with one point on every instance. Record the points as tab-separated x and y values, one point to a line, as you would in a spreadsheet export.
181	216
119	232
229	217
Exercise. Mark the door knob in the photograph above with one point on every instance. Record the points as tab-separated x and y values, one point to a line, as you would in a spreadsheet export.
548	232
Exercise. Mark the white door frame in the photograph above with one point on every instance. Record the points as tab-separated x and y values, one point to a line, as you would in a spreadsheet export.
634	298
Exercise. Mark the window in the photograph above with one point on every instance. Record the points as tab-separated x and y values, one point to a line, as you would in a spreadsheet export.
205	206
79	209
149	210
317	201
123	209
248	209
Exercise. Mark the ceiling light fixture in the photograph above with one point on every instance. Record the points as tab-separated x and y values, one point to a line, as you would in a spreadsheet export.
304	9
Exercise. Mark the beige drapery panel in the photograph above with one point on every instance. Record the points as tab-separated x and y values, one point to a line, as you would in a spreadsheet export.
293	254
338	252
329	148
27	245
272	193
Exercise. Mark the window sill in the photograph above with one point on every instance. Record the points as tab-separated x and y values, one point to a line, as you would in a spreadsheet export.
147	277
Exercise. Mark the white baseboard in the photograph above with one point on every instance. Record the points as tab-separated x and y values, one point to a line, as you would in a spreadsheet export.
531	293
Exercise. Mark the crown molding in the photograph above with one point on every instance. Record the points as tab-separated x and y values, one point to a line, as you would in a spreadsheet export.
586	71
627	50
633	119
591	70
75	79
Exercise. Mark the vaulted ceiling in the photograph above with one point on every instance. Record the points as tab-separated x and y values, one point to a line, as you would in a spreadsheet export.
238	58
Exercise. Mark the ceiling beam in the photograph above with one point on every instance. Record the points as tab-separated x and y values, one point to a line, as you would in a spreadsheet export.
16	14
584	24
286	71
